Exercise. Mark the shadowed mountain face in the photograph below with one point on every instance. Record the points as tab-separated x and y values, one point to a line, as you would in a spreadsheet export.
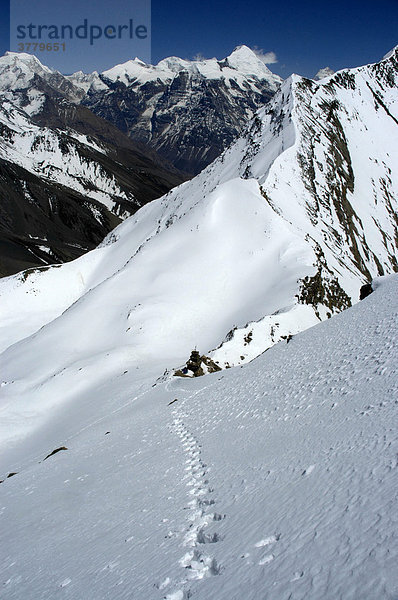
68	176
42	224
189	111
193	122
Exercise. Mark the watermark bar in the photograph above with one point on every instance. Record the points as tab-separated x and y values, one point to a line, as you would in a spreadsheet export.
81	36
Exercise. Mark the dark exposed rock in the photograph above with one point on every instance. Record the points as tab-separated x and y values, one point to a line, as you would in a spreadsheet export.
365	291
43	222
193	120
194	367
55	452
194	364
34	214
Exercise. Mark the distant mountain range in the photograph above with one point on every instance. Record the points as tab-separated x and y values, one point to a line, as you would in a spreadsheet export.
78	154
68	176
189	111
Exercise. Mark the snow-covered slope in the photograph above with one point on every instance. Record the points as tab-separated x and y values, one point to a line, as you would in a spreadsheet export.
281	231
273	480
189	111
278	233
25	80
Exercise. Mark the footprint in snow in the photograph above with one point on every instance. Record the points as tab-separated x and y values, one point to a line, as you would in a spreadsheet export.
308	471
266	560
265	543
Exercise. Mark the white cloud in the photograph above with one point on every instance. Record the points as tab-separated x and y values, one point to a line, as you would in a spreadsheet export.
268	58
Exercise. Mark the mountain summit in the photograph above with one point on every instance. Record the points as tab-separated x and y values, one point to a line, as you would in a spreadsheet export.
189	111
239	65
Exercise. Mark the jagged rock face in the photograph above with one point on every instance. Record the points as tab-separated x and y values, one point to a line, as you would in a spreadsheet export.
62	192
188	111
347	166
190	123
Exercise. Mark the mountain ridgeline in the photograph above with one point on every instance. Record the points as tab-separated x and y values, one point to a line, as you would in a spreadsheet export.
279	232
189	111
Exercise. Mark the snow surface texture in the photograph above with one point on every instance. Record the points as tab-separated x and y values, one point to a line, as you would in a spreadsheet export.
274	480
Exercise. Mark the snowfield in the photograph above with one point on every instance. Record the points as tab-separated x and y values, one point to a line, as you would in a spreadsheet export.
272	480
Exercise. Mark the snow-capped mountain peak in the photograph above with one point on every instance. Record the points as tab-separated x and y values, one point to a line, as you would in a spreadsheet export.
241	63
18	69
159	105
15	58
244	60
87	81
162	105
132	71
22	74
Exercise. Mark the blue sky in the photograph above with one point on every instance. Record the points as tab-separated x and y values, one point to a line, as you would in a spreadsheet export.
304	35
